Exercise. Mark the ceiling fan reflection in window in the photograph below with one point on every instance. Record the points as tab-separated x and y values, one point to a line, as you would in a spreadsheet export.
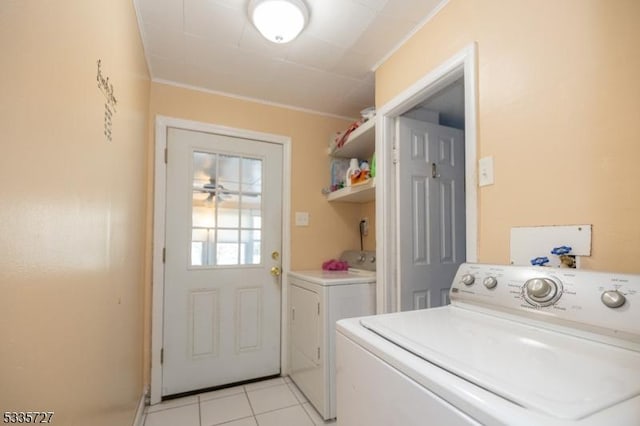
214	191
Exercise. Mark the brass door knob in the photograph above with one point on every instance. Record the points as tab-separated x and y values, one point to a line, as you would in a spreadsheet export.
275	271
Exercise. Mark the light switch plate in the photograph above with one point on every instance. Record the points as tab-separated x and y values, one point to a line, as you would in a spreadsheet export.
485	171
302	218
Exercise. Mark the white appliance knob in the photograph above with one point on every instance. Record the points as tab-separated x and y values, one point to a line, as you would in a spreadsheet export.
539	288
613	298
468	279
490	282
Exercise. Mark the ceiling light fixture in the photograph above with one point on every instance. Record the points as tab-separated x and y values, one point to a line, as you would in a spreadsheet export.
279	21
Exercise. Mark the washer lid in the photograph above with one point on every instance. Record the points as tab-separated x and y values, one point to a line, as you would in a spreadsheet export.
335	277
558	374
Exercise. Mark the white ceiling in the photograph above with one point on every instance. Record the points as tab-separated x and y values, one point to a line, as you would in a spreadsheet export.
212	45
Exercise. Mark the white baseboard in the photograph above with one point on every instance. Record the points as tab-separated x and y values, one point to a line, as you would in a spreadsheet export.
139	418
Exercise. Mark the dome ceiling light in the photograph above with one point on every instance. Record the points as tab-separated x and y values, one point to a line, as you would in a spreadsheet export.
279	21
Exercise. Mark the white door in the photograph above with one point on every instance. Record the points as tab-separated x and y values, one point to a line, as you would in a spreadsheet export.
223	237
431	211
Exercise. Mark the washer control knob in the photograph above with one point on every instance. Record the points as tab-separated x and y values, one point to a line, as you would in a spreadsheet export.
613	298
468	279
539	288
490	282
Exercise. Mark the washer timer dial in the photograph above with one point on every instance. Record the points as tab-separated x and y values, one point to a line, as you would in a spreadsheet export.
541	291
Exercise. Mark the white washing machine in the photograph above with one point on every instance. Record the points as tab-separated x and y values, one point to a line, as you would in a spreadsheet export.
317	299
517	346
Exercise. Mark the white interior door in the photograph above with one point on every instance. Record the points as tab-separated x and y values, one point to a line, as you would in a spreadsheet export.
431	211
223	225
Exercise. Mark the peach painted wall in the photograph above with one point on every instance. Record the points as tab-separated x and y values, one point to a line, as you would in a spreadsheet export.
559	101
333	226
72	211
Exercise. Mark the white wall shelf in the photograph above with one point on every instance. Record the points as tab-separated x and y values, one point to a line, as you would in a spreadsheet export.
359	193
360	144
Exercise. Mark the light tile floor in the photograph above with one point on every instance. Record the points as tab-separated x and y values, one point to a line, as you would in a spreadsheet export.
275	402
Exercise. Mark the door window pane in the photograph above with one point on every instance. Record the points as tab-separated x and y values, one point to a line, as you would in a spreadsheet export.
250	247
251	175
229	173
226	217
251	208
203	216
202	244
227	248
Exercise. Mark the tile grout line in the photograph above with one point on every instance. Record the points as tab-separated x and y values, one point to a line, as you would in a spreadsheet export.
307	413
291	386
263	387
171	408
235	420
246	395
281	408
199	410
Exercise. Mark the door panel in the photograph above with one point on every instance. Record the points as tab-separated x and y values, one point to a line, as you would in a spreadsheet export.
305	333
305	328
222	305
431	212
420	211
249	311
205	323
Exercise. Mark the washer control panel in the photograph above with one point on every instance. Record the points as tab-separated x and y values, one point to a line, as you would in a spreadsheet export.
599	300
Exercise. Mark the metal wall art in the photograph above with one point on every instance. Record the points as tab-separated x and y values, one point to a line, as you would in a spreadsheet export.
110	105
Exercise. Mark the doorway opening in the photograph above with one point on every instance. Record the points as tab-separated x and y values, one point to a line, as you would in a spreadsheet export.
435	97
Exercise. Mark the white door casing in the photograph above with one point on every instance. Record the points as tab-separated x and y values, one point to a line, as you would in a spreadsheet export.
245	298
463	64
432	217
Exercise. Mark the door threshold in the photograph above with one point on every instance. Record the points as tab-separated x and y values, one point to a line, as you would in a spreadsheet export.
215	388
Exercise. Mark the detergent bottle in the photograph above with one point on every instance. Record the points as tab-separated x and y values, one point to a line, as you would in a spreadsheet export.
353	169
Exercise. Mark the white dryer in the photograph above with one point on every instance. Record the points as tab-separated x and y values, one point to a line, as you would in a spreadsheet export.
517	346
317	299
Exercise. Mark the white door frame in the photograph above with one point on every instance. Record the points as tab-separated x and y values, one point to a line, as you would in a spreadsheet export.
463	64
159	191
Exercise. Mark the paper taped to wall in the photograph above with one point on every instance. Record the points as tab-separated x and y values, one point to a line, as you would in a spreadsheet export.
535	241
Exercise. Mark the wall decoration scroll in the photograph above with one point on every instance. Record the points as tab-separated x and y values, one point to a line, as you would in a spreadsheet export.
110	101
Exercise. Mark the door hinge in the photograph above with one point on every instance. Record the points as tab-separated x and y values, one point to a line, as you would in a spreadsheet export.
318	309
293	314
166	155
164	254
395	155
318	353
162	356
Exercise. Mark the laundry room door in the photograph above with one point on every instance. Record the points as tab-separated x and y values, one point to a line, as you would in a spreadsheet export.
431	212
222	293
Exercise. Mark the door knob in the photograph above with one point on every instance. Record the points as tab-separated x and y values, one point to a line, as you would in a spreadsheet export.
275	271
